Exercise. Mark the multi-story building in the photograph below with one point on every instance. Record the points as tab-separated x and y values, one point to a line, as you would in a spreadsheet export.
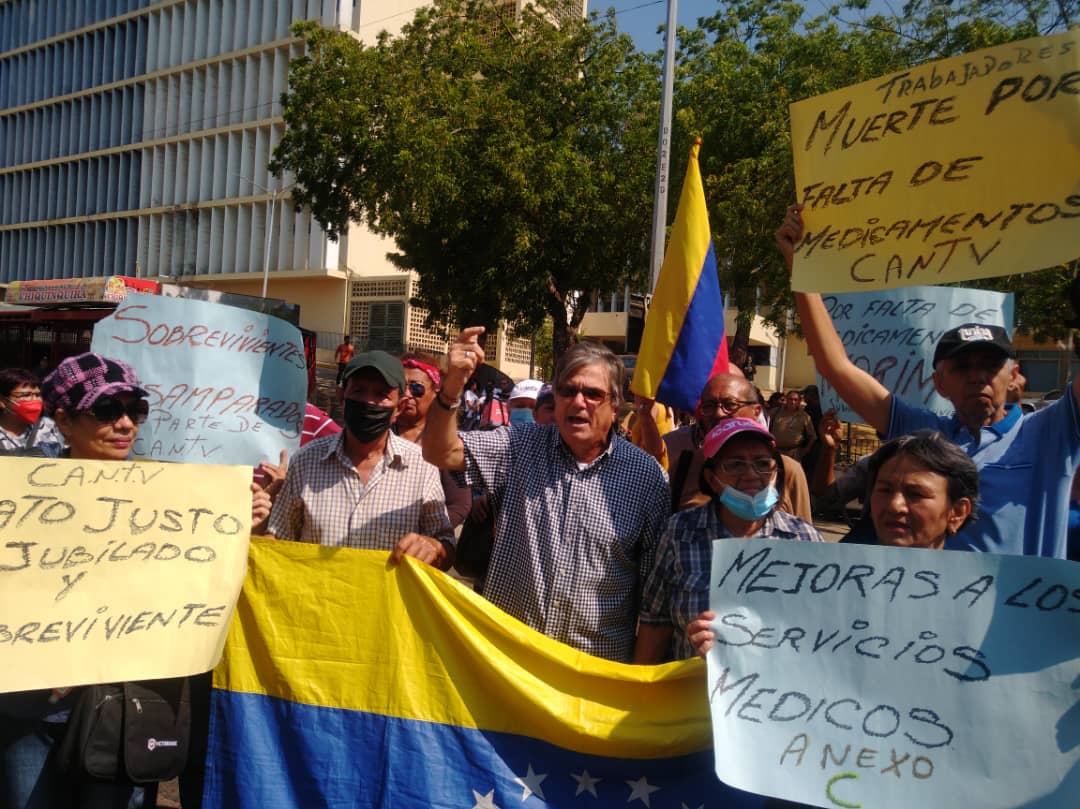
134	140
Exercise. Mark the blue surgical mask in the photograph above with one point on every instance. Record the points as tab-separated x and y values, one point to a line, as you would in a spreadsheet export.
746	507
522	415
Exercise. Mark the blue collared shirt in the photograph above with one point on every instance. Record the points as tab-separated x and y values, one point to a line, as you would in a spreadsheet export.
1026	465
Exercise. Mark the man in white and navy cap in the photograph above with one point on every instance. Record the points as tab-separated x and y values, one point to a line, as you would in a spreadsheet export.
1026	462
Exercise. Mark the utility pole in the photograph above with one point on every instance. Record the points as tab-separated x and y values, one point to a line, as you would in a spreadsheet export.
659	223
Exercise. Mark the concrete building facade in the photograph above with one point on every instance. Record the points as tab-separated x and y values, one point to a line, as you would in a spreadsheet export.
134	140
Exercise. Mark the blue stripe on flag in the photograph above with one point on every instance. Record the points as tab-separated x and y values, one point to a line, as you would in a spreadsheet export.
701	338
267	752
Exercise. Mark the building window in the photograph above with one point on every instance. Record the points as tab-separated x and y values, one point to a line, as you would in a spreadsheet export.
386	326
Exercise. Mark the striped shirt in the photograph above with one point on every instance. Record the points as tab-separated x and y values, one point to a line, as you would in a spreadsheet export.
572	545
677	591
324	502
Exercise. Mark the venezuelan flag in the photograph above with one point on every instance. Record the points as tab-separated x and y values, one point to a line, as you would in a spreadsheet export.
349	683
683	343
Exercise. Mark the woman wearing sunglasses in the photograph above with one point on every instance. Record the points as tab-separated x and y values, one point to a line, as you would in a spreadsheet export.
98	405
741	475
422	380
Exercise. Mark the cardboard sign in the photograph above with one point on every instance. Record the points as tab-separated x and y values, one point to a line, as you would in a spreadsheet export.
891	334
968	167
114	571
854	675
226	385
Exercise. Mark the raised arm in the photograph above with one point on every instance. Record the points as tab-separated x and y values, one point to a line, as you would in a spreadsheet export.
824	475
863	394
442	445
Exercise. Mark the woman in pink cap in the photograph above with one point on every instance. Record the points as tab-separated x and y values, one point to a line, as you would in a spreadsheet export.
741	474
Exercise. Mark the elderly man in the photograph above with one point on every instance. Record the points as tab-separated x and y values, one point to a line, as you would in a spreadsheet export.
725	396
366	487
578	510
1026	462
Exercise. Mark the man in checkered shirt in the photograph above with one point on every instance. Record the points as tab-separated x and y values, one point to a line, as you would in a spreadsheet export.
578	510
365	487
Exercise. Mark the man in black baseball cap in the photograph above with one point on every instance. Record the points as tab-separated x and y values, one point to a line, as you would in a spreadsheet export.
365	487
972	335
1026	463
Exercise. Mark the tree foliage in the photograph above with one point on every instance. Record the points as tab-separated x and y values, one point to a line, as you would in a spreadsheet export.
743	66
510	158
931	29
739	71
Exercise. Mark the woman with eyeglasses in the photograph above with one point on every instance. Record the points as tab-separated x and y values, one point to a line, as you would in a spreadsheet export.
98	405
23	428
741	475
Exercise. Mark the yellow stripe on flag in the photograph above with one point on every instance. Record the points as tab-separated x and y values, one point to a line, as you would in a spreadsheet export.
342	628
684	258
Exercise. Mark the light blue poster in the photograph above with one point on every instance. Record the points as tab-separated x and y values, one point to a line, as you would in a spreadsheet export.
895	678
227	385
891	334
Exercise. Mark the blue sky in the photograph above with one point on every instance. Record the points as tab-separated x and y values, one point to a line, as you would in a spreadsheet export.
641	18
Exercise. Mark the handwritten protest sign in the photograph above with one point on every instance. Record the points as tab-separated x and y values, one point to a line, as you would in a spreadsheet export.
891	334
117	570
967	167
227	385
853	675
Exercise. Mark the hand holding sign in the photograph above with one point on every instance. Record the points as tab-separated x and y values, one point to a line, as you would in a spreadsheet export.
226	384
894	676
117	570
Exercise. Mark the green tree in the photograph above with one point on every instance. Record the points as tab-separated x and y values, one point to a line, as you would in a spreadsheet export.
738	73
509	158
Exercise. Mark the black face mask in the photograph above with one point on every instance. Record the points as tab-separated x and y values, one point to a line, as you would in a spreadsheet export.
366	421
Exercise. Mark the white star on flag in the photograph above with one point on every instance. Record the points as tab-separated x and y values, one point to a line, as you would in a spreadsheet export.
640	790
586	783
530	783
684	806
484	801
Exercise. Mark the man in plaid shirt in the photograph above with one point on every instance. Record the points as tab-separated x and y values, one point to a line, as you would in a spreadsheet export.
578	510
365	487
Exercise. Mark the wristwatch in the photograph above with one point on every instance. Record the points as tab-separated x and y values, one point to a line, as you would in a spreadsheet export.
442	402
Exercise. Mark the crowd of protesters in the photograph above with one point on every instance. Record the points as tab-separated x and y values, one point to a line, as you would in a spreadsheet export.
590	527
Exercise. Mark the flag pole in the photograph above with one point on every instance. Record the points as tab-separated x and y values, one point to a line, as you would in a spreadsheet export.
659	223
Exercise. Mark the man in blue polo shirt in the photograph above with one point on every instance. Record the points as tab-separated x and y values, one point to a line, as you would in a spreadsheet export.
1026	462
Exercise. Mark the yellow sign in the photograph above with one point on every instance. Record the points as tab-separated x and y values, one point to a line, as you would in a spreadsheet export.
964	168
115	571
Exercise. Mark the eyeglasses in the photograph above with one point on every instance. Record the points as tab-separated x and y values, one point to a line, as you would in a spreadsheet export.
416	389
592	395
107	410
23	395
728	406
760	466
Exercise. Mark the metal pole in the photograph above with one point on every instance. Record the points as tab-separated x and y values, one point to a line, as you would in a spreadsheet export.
659	223
266	253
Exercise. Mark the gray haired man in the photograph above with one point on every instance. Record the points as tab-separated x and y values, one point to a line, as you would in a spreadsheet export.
578	510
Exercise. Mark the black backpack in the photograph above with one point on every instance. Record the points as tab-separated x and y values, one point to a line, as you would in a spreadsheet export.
129	732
